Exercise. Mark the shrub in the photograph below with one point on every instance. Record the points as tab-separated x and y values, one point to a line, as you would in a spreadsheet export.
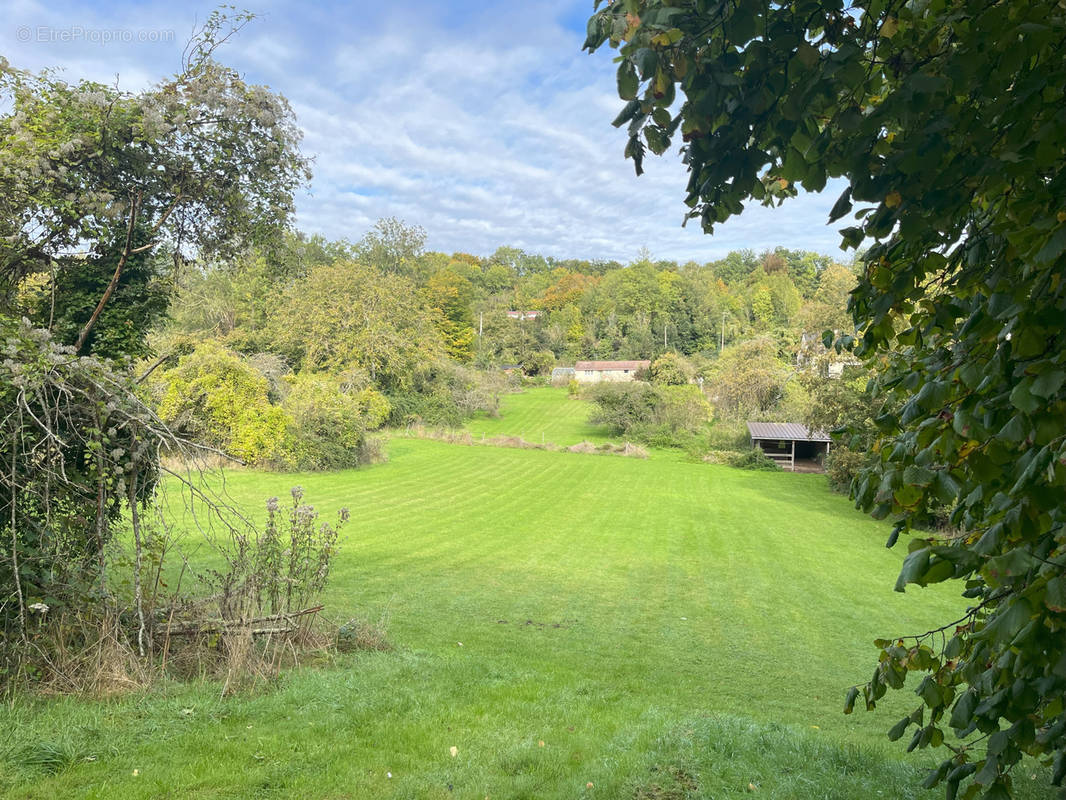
328	426
682	408
215	397
754	458
445	394
663	416
728	435
842	464
620	406
542	362
671	369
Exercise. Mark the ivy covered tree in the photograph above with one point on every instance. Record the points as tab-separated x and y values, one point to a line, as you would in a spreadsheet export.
199	165
946	122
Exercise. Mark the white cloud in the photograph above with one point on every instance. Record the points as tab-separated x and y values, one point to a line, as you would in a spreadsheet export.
485	126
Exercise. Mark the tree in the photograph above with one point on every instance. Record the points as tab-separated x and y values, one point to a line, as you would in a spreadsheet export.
827	309
450	294
946	122
748	378
392	246
345	314
671	369
201	165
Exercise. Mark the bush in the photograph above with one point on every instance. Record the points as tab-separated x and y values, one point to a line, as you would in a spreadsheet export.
215	397
541	362
753	458
621	406
222	400
663	416
842	464
328	426
671	369
728	435
446	394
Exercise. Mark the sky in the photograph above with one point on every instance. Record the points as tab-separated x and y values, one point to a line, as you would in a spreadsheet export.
484	123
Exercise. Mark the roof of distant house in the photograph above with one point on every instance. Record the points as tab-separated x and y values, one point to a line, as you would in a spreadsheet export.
783	431
604	366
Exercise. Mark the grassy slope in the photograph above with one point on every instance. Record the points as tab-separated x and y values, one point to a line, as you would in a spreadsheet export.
653	623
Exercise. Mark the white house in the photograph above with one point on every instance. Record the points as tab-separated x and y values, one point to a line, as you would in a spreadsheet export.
596	371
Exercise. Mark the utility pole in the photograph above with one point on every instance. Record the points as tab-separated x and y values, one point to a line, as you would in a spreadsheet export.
722	346
480	323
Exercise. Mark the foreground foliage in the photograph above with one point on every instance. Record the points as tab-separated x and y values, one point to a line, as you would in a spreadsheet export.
947	122
79	448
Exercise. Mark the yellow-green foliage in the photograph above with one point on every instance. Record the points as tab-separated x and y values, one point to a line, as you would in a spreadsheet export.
327	424
682	408
215	397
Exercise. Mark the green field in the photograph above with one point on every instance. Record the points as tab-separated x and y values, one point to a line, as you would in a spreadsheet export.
542	415
654	628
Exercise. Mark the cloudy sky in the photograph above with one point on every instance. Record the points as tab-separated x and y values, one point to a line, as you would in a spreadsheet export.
483	123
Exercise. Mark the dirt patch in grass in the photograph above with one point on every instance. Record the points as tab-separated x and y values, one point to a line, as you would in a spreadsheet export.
671	783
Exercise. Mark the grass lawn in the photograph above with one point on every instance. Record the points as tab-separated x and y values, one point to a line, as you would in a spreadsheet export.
574	625
539	415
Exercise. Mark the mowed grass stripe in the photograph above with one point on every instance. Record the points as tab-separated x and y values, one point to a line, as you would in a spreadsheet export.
603	604
541	415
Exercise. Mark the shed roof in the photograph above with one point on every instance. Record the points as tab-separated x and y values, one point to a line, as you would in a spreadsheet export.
786	431
609	365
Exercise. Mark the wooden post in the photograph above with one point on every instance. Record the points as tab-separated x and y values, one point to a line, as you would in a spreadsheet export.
793	455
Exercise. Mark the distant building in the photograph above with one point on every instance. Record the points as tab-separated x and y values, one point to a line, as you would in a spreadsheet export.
813	356
596	371
522	316
790	442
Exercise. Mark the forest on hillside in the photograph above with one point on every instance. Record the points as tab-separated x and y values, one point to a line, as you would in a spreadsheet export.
287	356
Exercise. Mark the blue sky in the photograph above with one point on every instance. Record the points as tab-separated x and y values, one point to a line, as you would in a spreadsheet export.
483	123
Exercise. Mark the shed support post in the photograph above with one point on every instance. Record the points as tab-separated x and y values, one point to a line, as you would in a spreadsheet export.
793	455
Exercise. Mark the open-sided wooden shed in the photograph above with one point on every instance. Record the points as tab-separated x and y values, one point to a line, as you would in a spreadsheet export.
789	442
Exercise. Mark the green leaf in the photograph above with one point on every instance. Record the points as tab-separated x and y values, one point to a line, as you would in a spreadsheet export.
897	730
630	110
1055	595
627	81
842	206
918	476
646	61
657	141
962	713
1048	383
849	700
914	566
661	117
1015	430
1054	247
1022	397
